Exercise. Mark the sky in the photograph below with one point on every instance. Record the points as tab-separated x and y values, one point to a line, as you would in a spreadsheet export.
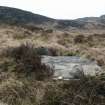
60	9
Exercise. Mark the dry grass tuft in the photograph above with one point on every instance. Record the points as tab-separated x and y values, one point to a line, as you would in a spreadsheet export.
15	92
79	39
89	91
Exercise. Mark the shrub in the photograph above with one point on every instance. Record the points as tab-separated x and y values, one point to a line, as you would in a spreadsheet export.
100	62
79	39
72	53
48	31
47	51
34	28
20	36
64	41
26	61
42	51
54	51
25	34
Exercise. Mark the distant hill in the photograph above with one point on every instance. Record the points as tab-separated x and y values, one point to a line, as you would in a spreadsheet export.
15	16
84	23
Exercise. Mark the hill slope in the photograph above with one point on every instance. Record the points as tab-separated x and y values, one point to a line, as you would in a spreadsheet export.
21	17
17	16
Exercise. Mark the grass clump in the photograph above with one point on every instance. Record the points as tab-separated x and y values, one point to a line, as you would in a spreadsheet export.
87	91
15	92
79	39
71	53
22	35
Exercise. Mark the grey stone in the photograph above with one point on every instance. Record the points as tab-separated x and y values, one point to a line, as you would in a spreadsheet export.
77	72
67	67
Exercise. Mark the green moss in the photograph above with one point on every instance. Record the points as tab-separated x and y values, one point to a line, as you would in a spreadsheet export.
71	53
20	36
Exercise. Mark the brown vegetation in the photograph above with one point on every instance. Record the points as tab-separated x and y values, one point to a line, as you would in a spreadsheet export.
79	39
26	61
24	80
20	72
75	92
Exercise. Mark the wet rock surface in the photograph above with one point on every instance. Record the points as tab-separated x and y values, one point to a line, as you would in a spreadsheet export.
71	67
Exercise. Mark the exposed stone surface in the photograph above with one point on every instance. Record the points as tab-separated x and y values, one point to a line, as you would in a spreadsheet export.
72	67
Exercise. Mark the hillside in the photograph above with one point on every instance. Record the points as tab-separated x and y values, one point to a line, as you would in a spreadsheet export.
15	16
21	17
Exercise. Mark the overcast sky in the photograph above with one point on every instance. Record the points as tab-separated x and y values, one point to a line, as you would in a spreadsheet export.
60	9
